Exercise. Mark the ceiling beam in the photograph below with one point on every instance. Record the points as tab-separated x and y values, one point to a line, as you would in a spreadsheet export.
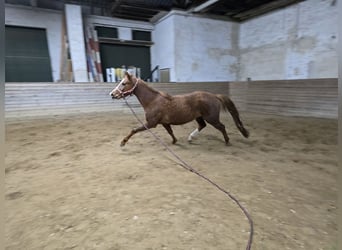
115	5
264	9
145	9
135	17
33	3
203	6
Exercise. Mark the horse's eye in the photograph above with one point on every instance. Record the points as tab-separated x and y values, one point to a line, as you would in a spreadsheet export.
123	83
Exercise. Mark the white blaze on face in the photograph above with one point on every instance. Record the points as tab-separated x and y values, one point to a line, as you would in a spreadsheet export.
118	88
193	134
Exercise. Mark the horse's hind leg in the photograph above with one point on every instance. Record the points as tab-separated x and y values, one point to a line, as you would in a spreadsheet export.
219	126
169	130
201	125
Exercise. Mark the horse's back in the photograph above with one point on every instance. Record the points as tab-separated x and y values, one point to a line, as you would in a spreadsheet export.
197	96
200	102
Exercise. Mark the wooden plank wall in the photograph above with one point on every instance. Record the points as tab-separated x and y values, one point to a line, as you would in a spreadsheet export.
42	99
315	98
311	97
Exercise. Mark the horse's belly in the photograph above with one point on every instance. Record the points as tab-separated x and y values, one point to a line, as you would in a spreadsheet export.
181	110
178	118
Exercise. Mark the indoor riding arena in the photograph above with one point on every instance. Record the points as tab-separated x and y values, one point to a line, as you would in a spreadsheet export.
84	76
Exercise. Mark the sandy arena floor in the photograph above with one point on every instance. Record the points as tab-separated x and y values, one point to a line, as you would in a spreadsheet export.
69	185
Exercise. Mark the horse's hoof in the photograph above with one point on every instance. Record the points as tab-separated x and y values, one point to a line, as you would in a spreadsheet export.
228	144
122	144
190	140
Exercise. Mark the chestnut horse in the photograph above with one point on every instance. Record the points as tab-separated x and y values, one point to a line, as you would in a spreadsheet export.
162	108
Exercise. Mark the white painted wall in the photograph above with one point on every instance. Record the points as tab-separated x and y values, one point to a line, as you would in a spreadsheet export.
125	33
195	48
40	18
203	49
297	42
163	50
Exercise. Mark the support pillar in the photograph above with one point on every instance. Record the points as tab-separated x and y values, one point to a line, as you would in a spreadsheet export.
74	24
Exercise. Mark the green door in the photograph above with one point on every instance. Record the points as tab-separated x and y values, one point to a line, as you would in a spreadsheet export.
27	56
116	55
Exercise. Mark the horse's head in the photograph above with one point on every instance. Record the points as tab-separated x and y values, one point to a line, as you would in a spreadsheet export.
125	87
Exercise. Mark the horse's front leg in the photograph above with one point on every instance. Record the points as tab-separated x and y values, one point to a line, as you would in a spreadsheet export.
169	130
133	131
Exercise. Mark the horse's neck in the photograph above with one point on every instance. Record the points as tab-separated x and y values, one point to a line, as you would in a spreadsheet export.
145	93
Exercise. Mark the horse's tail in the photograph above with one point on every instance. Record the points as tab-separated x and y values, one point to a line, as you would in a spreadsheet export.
228	105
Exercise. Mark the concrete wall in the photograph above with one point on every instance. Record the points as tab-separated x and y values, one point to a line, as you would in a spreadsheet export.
297	42
196	48
39	18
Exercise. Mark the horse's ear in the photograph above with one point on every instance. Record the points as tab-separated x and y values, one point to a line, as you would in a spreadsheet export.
128	75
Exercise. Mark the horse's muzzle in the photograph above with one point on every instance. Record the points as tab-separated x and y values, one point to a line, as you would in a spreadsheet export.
116	96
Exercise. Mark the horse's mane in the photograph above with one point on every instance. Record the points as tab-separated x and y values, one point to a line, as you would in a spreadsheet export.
163	94
166	95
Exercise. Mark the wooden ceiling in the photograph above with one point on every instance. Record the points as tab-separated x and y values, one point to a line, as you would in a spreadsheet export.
235	10
152	10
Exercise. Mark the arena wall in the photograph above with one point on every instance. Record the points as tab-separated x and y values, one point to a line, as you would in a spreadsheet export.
311	98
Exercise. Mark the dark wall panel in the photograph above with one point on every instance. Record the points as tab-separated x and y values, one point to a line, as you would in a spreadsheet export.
116	55
27	56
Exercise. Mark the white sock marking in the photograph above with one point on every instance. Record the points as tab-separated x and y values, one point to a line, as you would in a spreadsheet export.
193	134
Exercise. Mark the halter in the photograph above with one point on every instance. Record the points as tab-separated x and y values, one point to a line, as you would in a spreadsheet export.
130	91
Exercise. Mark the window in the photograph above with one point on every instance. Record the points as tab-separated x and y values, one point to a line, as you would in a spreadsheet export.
106	32
141	35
